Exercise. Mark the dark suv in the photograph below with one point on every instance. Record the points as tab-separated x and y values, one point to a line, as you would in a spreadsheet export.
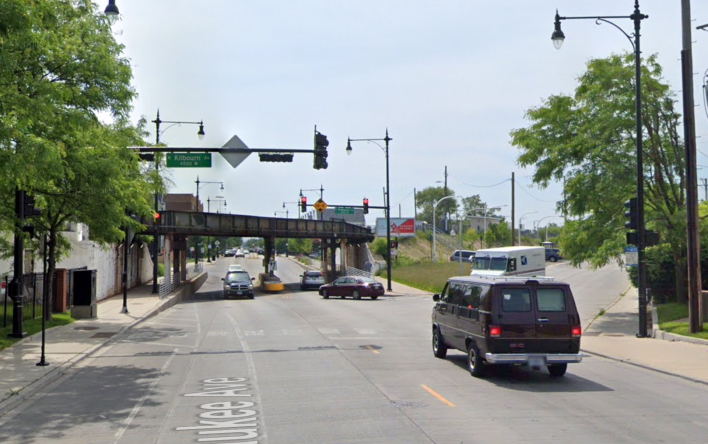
508	320
553	254
238	283
467	256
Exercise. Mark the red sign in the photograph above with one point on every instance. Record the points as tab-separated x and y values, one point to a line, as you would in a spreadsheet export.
407	227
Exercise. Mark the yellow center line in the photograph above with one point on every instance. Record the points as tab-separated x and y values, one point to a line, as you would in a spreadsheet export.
372	350
440	398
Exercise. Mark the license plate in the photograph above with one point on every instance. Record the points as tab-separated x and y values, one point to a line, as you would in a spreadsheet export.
535	361
239	292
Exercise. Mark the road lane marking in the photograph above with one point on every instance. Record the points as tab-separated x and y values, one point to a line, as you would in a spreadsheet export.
372	349
439	398
328	331
364	331
253	332
138	406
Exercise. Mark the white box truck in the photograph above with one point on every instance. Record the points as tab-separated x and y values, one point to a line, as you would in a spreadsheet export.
510	261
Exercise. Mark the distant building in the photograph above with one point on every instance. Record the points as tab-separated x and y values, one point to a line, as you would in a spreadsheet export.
182	202
477	222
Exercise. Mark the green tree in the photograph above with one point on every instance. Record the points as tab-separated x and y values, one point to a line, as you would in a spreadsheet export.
425	199
60	67
473	205
498	235
300	246
588	141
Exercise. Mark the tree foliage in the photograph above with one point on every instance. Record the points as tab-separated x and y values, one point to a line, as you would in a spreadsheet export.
427	197
60	68
588	141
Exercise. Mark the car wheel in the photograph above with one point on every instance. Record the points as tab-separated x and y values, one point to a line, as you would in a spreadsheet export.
474	361
373	298
355	295
325	294
557	370
251	297
439	347
553	259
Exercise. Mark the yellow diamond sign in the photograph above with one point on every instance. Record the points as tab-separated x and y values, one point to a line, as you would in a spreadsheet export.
320	205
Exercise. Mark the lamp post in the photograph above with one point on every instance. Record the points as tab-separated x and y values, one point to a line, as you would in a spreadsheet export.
111	11
388	198
637	18
522	218
296	205
435	205
200	184
156	240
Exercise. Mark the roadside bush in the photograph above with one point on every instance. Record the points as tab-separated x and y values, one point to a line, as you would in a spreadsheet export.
160	270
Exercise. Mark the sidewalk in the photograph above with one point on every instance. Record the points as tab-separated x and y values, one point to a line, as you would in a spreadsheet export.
68	345
612	335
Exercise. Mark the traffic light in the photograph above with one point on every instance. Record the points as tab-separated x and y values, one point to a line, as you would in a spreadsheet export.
29	210
321	144
366	206
394	244
303	204
631	214
156	217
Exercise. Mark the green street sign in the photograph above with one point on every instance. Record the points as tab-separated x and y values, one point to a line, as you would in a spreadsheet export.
344	210
188	160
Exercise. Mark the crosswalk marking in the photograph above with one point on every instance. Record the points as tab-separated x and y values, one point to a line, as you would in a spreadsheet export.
364	331
328	331
254	333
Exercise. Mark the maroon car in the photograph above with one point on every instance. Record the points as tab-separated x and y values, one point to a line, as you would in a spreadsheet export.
353	286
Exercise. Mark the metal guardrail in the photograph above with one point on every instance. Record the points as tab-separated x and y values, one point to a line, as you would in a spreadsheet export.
351	271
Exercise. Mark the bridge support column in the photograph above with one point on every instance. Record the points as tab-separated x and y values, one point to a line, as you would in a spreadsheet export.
268	254
343	260
332	244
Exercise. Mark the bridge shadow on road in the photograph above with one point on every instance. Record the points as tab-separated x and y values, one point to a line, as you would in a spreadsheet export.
524	379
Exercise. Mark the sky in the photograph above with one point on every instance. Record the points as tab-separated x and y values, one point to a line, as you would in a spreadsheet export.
449	80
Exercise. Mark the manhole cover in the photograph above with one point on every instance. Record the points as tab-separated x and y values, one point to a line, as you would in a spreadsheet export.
103	335
86	328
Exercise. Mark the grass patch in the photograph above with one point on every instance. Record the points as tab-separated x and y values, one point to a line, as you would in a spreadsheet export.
602	312
428	276
671	311
33	326
682	328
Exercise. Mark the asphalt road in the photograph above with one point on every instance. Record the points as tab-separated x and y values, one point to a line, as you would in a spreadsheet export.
294	368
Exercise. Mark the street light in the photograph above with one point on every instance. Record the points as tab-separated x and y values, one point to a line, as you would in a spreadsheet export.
297	204
158	122
111	11
558	37
435	205
196	246
388	198
520	219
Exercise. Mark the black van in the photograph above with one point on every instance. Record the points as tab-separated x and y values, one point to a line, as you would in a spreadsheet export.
508	320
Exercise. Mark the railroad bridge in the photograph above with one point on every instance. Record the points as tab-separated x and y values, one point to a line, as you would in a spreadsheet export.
177	226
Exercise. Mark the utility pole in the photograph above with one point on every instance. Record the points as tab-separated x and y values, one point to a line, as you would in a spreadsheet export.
695	312
447	215
415	206
513	209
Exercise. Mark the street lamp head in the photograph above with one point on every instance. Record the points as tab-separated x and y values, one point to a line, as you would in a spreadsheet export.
349	147
201	133
558	35
111	11
222	186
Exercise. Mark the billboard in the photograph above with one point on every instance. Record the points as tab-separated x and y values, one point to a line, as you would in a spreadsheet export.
400	227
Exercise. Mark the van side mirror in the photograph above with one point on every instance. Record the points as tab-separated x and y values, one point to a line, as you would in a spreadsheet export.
253	279
222	279
436	297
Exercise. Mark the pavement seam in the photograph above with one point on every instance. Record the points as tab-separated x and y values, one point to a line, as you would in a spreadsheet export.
645	367
615	302
10	403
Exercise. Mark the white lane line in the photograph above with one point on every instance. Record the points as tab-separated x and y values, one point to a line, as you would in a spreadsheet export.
138	406
328	331
254	333
364	331
251	371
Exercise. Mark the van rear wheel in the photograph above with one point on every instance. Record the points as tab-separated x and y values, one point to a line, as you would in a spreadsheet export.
557	370
474	361
439	347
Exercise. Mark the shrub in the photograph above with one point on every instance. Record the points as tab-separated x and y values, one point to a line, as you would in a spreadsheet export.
160	270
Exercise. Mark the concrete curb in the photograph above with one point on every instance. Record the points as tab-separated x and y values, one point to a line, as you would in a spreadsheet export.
57	372
645	367
658	333
615	302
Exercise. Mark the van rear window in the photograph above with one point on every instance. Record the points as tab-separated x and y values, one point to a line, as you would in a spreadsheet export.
516	300
550	299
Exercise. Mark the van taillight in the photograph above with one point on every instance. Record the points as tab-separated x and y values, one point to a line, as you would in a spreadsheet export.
576	332
494	331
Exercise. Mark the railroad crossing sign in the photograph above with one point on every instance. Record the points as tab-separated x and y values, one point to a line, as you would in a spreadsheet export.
320	205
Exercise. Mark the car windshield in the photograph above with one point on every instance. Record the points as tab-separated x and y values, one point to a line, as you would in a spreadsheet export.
498	264
238	277
313	274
